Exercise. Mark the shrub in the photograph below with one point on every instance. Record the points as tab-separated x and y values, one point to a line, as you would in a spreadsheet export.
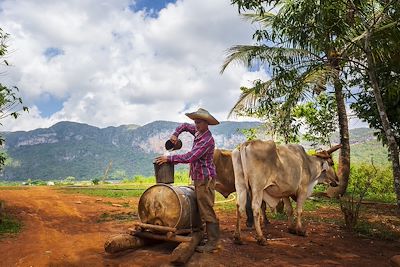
361	180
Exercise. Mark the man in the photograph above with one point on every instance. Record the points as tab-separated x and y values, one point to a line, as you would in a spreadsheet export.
202	170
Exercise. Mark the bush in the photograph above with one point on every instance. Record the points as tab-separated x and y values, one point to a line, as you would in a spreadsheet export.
366	180
381	188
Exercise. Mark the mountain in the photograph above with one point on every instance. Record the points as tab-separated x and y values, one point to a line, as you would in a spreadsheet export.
84	151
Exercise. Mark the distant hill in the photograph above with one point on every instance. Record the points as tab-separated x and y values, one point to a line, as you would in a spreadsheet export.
84	151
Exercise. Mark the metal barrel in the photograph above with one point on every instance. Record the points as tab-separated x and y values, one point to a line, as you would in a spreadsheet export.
167	205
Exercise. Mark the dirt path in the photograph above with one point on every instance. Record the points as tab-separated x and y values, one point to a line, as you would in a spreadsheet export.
68	230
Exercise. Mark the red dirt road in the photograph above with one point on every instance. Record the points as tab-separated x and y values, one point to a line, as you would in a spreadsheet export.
67	230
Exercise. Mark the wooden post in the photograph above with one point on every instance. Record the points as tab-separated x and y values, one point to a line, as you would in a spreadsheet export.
185	250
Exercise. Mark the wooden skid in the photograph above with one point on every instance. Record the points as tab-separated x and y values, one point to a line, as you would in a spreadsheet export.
167	237
158	228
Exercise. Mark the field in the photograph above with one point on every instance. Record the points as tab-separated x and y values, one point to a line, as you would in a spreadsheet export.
67	226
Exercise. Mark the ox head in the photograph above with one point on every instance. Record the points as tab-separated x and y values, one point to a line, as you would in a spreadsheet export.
328	174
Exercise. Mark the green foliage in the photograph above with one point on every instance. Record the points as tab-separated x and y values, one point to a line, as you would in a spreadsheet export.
377	179
10	102
96	181
319	118
250	134
366	181
69	180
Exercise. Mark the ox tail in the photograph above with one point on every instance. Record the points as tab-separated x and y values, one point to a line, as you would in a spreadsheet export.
243	157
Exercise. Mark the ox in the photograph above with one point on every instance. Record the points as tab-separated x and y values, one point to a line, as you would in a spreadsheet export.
274	172
225	182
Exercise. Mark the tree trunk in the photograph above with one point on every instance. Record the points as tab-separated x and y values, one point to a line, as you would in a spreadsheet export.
392	144
344	154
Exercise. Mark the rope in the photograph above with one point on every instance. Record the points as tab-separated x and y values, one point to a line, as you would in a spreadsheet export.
226	200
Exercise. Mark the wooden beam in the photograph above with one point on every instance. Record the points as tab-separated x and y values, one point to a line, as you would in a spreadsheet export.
122	242
185	250
174	238
159	228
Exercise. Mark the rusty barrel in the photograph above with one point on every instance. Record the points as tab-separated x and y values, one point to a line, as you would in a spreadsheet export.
167	205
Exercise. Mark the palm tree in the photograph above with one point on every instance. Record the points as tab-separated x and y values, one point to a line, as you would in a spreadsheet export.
305	39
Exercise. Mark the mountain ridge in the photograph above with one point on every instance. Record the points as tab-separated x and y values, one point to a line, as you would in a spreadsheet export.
84	151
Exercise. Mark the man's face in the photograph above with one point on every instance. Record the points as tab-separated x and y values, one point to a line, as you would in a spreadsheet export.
201	125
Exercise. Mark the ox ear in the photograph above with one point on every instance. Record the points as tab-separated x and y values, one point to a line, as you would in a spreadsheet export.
325	166
334	148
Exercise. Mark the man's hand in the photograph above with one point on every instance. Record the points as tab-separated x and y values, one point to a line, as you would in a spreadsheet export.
161	159
174	139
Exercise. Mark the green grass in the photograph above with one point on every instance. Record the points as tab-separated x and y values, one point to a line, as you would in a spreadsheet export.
105	192
9	225
225	204
124	216
376	230
317	203
13	188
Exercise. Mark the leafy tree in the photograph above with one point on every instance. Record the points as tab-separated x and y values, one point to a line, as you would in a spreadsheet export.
319	118
374	37
10	102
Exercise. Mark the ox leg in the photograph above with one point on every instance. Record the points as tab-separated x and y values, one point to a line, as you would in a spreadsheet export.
299	208
240	205
289	213
256	205
264	213
249	211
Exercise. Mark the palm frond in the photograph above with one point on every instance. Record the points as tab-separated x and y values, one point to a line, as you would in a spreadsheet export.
247	54
250	96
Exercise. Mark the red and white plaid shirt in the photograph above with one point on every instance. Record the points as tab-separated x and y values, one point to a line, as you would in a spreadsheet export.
202	153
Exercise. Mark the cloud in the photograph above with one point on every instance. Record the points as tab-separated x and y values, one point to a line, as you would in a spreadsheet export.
110	65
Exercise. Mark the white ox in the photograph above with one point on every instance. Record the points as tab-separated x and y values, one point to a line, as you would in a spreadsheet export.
274	172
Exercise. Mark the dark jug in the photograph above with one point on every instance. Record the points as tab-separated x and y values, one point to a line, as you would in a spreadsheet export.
171	147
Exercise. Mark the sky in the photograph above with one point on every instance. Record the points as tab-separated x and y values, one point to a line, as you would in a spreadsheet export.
114	62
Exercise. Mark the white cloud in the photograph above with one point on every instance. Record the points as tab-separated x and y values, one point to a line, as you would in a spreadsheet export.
121	67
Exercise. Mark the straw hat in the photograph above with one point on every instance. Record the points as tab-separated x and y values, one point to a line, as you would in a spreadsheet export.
203	114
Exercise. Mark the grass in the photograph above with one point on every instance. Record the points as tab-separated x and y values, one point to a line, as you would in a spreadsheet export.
124	216
13	188
111	191
9	225
376	230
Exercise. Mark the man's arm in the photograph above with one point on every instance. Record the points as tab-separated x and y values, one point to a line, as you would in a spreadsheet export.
185	127
197	152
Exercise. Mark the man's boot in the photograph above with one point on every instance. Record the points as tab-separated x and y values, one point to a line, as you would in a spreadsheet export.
213	238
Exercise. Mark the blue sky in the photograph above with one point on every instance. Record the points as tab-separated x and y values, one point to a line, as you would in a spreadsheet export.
153	7
107	63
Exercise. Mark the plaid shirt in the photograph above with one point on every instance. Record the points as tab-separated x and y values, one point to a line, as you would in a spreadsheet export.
202	153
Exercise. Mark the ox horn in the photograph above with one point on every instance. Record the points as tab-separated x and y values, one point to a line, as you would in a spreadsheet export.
334	148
